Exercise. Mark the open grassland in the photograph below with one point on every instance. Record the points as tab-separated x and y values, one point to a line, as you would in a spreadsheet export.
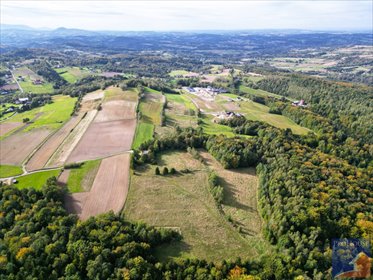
209	127
240	201
259	92
183	202
81	179
150	107
10	170
180	99
108	192
73	74
50	116
36	180
258	112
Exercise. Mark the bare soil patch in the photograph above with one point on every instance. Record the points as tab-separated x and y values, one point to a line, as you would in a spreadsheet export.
41	157
109	190
116	110
64	176
93	96
6	127
15	148
103	139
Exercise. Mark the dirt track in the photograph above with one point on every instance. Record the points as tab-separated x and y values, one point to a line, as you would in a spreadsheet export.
104	139
6	127
109	190
67	146
41	157
15	148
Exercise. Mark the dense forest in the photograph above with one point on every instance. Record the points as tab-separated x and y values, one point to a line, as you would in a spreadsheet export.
306	197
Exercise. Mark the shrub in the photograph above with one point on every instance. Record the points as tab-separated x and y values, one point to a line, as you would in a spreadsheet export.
25	120
157	172
172	170
165	171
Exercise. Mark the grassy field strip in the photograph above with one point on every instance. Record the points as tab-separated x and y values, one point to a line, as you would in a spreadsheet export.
258	112
36	180
81	179
63	151
262	93
150	108
10	170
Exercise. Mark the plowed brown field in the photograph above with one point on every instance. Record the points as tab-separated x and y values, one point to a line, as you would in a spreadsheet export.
104	139
15	148
41	157
109	190
6	127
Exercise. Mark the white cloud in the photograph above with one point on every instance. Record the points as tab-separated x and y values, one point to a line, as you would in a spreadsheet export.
189	15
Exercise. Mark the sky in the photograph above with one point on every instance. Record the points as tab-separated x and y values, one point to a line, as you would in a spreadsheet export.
190	15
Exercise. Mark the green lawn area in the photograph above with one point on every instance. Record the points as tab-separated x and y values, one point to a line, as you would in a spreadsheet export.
28	86
184	203
10	170
258	112
150	108
36	180
144	132
72	74
180	98
209	127
50	116
81	179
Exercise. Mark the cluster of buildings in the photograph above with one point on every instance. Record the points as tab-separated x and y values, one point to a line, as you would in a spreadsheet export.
300	103
205	92
225	115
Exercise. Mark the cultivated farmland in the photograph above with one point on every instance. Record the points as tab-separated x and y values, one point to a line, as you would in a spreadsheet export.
108	192
7	127
112	130
42	155
64	150
15	148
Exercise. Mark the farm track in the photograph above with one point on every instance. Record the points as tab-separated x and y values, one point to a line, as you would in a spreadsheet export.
61	154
